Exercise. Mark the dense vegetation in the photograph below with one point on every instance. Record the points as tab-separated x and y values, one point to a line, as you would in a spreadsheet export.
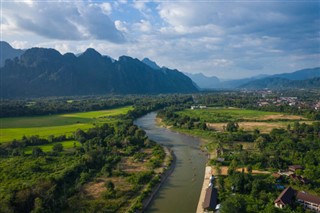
38	180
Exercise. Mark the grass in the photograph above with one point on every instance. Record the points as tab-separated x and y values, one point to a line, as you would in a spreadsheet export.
216	115
15	128
48	147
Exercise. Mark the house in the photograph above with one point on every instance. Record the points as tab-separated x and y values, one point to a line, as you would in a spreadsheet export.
285	198
211	199
309	201
299	179
294	168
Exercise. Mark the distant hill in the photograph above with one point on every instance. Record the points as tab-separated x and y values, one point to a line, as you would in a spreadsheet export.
306	78
203	81
45	72
8	52
282	83
300	74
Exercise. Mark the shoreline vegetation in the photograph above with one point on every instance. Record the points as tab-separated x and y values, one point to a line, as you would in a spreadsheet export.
167	169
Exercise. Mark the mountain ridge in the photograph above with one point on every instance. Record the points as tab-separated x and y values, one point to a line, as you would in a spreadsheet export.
304	78
40	72
8	52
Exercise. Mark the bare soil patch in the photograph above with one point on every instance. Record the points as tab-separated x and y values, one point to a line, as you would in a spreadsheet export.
264	127
224	171
280	117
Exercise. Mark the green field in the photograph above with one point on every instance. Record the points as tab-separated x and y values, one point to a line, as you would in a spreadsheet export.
15	128
216	115
48	147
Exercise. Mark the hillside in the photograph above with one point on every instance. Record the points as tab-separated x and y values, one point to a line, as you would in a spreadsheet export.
282	83
203	81
46	72
8	52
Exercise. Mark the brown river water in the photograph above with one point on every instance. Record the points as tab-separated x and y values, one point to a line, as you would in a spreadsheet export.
181	191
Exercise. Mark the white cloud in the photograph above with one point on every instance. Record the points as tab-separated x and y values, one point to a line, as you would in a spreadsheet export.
19	44
121	26
143	26
106	8
61	20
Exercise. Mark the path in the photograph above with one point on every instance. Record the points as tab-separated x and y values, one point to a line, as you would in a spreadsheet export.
205	185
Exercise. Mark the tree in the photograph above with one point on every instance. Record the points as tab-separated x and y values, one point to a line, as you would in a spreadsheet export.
80	136
233	204
36	152
57	147
232	126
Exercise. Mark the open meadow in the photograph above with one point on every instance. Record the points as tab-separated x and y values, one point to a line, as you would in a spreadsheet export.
16	127
248	120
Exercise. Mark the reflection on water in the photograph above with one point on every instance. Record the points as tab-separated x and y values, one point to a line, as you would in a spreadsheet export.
181	191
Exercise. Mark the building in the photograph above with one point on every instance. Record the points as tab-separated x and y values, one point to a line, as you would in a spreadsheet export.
211	199
299	179
309	201
285	198
289	196
294	168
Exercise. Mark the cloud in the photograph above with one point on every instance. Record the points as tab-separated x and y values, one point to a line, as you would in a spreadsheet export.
106	8
63	20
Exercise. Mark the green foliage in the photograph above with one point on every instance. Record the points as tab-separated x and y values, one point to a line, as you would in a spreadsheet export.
232	126
57	147
233	204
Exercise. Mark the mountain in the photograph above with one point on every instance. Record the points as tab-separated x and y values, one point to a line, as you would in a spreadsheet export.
300	74
151	64
306	78
233	84
282	83
45	72
203	81
8	52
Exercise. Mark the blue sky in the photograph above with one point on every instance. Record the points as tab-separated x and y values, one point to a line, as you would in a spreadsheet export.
228	39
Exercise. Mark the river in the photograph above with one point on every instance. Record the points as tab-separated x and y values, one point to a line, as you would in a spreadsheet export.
180	193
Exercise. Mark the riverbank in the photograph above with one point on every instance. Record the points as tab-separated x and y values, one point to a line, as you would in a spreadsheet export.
168	168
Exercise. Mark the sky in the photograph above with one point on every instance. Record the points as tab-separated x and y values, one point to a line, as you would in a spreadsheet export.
227	39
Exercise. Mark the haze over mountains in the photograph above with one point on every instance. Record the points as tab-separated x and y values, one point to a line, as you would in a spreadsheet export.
277	81
45	72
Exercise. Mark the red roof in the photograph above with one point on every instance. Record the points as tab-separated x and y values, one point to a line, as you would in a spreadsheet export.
308	198
210	200
295	167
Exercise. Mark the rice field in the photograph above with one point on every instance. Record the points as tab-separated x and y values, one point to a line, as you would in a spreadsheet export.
15	128
48	147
